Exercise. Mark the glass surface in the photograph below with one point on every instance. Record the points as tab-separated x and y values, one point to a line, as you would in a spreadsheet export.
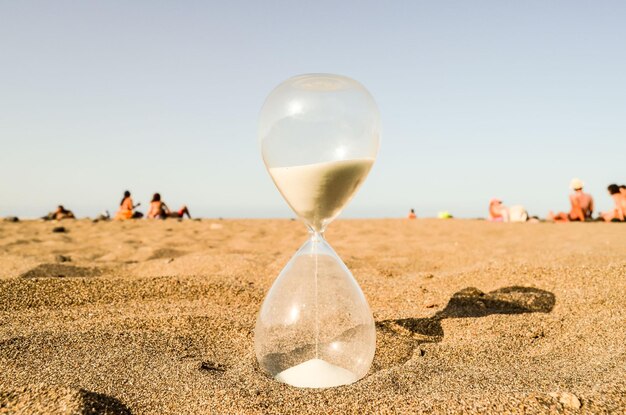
319	138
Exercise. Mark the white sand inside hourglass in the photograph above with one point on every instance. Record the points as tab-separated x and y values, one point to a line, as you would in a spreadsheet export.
319	191
316	373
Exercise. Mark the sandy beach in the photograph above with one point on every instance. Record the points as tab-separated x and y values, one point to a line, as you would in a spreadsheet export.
157	317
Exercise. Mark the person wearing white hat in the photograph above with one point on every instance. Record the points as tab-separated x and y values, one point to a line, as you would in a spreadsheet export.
576	184
581	205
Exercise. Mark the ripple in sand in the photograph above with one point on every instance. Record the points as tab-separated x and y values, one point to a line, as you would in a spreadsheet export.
166	253
61	271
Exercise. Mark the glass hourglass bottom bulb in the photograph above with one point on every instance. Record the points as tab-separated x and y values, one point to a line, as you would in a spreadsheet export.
315	328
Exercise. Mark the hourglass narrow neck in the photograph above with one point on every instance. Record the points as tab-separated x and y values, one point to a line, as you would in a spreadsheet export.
315	235
316	227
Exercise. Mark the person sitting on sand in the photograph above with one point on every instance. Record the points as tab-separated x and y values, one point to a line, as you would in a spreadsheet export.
126	208
497	211
159	210
618	214
581	205
59	214
412	214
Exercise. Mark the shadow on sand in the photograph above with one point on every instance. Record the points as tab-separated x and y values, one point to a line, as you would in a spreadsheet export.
99	403
405	335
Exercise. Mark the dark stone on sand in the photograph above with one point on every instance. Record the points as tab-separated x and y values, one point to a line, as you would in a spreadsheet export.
63	258
59	229
11	219
209	366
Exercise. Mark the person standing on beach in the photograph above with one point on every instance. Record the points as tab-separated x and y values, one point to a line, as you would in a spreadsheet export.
581	205
412	214
126	208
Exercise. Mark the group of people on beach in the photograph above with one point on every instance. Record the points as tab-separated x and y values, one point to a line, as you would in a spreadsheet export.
581	207
158	209
127	210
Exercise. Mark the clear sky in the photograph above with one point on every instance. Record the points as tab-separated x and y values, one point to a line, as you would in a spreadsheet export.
478	99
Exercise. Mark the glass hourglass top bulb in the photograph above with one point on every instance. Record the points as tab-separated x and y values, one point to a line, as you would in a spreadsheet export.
319	137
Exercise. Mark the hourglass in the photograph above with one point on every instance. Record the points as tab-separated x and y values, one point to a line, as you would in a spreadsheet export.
319	137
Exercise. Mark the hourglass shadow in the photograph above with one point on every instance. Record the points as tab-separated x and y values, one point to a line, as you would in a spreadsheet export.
402	336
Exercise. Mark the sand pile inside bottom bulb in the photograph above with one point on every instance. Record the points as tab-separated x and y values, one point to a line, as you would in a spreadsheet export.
316	373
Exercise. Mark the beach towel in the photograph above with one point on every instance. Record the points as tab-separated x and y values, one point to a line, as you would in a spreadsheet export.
517	213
